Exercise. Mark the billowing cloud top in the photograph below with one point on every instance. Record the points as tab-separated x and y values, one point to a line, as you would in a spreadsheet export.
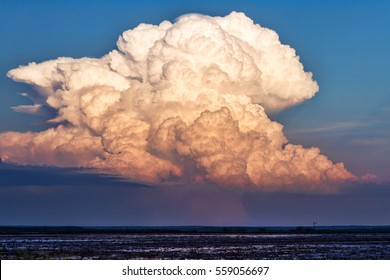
178	102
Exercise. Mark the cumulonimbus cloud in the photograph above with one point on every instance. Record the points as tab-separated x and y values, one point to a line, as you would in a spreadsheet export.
178	102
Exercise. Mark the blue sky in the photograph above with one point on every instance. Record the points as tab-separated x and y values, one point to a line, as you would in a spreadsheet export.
346	44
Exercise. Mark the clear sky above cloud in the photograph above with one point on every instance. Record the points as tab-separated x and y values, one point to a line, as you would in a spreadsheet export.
344	45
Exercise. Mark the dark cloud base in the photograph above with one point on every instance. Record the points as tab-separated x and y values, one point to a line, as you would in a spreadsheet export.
14	175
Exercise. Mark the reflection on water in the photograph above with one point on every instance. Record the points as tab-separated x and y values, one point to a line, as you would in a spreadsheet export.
195	246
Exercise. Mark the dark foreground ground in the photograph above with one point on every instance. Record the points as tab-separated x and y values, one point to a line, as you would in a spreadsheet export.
195	243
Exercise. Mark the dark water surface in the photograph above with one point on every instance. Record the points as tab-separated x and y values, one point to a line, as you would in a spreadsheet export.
195	246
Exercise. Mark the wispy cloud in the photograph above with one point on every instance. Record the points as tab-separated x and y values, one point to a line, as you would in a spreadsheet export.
370	142
334	126
386	109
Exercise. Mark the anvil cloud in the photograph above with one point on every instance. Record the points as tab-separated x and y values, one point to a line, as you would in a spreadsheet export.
182	102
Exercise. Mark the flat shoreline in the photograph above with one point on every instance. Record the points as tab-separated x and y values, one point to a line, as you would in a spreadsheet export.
142	244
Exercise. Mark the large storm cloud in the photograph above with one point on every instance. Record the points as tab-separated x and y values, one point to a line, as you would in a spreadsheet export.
182	102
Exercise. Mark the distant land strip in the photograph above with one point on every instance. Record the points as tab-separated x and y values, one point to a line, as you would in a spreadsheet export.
191	229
